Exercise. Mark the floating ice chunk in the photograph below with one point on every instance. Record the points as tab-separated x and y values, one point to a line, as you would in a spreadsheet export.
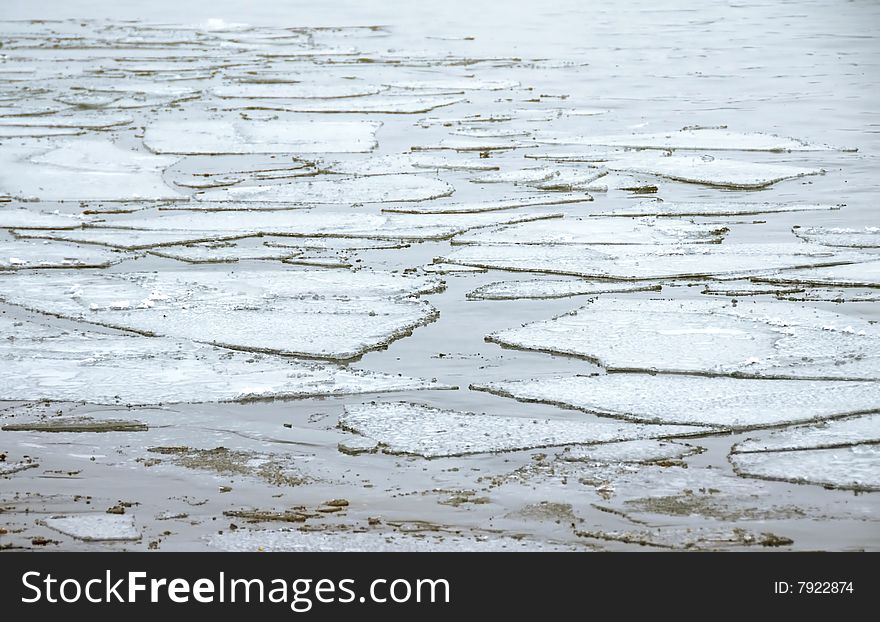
143	88
714	208
229	253
24	254
868	237
489	132
825	435
472	144
84	170
552	288
366	105
570	181
849	468
452	84
857	275
297	90
406	163
703	139
709	171
37	132
580	231
729	403
98	368
95	527
23	218
521	176
489	206
404	428
237	137
745	288
646	261
751	339
11	468
127	239
641	451
295	540
327	314
822	294
447	268
81	121
373	189
336	244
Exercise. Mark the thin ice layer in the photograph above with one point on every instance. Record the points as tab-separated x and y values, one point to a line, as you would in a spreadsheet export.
240	137
316	313
373	189
404	428
552	288
580	231
713	337
849	468
729	403
25	254
84	170
702	139
490	206
651	261
99	368
866	237
708	170
95	527
857	275
838	433
711	208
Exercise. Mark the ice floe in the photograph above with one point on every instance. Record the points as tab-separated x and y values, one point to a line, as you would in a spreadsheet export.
95	527
451	84
364	105
405	428
867	237
297	90
640	451
712	337
26	255
240	137
828	434
552	288
23	218
745	288
713	208
407	163
856	275
128	239
489	206
728	403
223	253
850	468
67	365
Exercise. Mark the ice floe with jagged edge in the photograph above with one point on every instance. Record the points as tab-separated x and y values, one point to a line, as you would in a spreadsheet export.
83	170
712	337
651	261
95	527
867	237
640	452
856	275
599	231
329	314
11	468
521	176
533	289
406	163
372	189
708	170
490	206
714	208
745	288
223	253
243	137
360	105
309	223
128	239
723	402
297	90
29	255
864	429
75	121
454	84
362	541
850	468
24	218
98	368
701	139
823	294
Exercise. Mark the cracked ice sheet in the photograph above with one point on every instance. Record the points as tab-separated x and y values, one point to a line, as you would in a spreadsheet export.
868	237
578	231
127	239
490	206
825	435
296	540
328	314
708	139
726	403
708	170
83	170
711	337
23	218
857	275
552	288
26	255
95	527
373	189
647	261
244	137
340	224
405	428
849	468
641	451
297	90
366	105
98	368
719	208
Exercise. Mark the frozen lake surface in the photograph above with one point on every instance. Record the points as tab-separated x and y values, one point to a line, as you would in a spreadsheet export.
466	276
